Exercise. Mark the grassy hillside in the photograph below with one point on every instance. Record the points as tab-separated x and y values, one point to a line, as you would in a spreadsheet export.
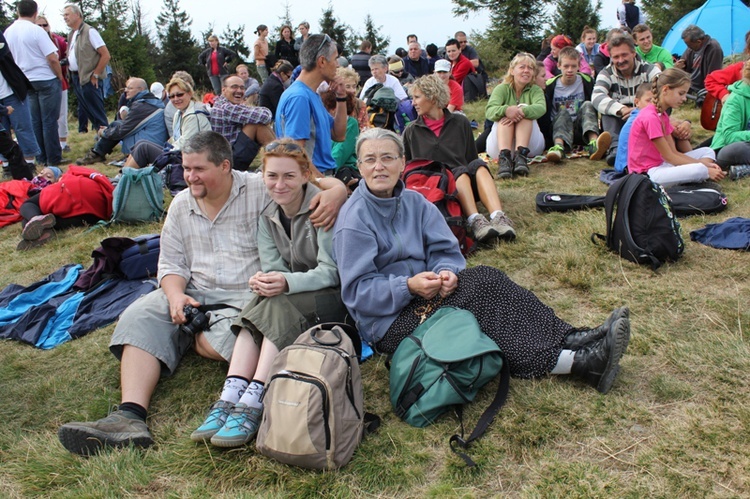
676	423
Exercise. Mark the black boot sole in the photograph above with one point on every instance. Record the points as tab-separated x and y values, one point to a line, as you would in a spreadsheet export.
576	339
621	331
87	442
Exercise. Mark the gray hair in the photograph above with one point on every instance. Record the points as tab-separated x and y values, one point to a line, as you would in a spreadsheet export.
380	134
378	60
216	147
75	8
623	39
315	46
693	33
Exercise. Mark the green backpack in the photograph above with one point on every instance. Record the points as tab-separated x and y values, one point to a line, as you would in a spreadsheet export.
138	196
443	364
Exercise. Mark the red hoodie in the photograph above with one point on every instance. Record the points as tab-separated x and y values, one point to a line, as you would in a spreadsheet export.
80	191
716	82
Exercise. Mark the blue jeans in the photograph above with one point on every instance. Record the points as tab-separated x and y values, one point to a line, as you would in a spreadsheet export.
20	122
44	104
91	99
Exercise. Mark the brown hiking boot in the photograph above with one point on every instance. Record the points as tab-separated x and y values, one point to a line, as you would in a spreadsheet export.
90	158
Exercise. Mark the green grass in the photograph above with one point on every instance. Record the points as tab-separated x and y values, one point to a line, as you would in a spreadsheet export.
676	423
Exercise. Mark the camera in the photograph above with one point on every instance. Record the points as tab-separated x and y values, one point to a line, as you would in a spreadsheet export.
195	320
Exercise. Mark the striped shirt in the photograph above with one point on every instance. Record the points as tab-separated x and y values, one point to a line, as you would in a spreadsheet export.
228	119
215	255
613	91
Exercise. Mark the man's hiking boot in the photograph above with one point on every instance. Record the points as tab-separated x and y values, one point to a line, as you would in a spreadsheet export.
90	158
483	231
217	417
736	172
119	429
555	154
598	147
505	165
504	227
598	363
521	163
578	338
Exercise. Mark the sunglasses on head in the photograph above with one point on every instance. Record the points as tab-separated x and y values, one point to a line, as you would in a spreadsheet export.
286	146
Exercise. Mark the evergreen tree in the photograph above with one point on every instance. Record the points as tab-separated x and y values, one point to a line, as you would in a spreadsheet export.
572	16
372	35
129	50
515	25
234	40
7	14
333	27
663	14
178	48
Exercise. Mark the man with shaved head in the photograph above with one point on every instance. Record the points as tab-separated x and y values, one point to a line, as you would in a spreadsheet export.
144	121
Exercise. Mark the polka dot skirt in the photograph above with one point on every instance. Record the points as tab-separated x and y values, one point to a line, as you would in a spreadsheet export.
526	330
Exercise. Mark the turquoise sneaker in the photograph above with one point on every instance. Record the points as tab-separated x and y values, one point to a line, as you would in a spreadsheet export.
217	416
241	426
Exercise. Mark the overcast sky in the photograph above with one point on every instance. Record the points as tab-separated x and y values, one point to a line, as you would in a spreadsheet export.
431	20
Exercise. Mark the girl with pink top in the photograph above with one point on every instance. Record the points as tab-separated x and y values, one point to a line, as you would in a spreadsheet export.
651	148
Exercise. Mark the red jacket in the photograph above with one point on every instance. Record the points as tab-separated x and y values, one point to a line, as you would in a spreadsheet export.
12	194
80	191
460	68
716	82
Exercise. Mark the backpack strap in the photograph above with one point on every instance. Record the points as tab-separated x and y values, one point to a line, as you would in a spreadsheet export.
488	415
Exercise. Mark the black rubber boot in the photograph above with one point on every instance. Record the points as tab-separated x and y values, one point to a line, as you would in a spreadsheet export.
578	338
521	166
505	167
599	362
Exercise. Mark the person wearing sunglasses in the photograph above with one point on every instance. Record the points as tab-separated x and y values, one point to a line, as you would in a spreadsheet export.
209	259
296	288
301	114
187	121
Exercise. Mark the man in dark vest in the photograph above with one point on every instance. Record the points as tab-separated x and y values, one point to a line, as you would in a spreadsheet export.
87	58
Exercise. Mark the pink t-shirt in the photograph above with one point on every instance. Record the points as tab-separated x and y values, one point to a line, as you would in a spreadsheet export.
648	125
435	125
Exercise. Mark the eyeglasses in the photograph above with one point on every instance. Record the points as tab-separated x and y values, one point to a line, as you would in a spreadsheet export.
326	39
286	146
43	25
237	87
177	95
463	42
385	160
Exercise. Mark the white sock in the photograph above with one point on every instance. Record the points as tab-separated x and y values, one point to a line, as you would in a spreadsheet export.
564	362
234	387
471	218
251	397
496	213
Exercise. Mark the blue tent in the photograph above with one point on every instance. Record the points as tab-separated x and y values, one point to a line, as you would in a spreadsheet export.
727	21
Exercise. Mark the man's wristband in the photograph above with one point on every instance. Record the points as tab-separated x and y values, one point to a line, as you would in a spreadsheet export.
340	99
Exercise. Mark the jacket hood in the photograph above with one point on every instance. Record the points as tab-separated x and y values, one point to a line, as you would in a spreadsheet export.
740	88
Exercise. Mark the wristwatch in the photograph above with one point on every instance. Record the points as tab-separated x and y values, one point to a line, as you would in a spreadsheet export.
96	76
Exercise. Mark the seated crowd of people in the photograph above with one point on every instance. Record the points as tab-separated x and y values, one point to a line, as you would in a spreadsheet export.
327	231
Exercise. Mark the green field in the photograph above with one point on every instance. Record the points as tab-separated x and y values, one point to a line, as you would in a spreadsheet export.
676	423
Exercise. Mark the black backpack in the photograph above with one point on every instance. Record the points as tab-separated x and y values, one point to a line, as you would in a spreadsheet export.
641	225
697	199
381	107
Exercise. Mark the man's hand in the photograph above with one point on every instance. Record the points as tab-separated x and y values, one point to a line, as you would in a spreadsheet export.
450	282
177	302
326	204
425	284
9	109
95	81
624	113
724	99
268	284
337	86
680	63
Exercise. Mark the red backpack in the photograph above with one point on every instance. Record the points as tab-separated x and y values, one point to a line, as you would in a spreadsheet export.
436	183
